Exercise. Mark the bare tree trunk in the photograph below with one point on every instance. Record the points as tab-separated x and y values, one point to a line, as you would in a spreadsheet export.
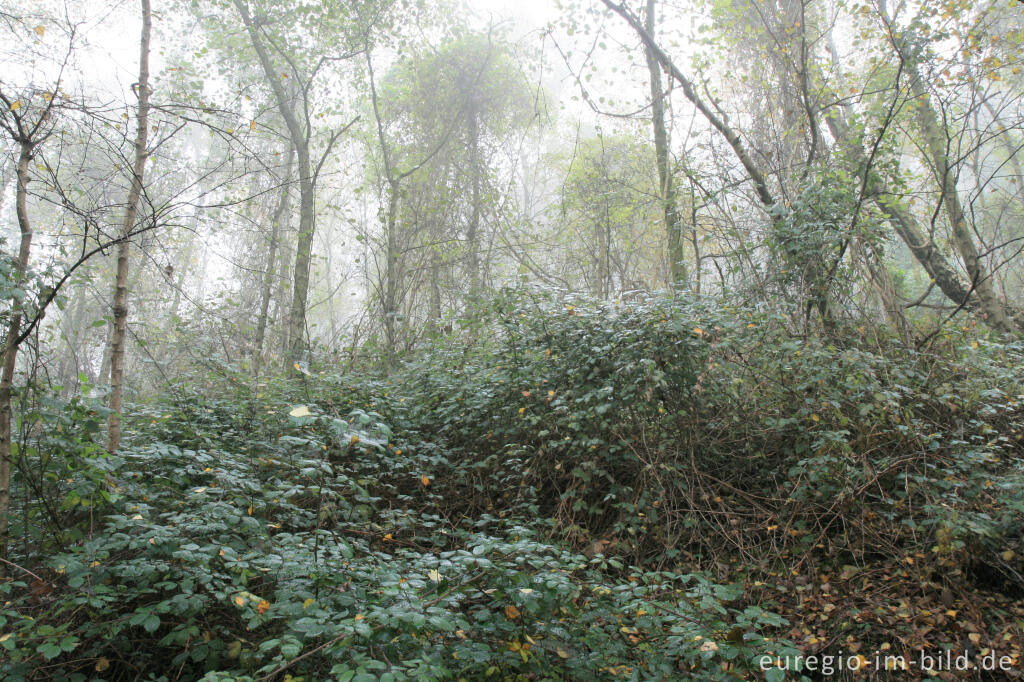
936	141
945	175
389	302
268	278
669	199
299	135
10	352
473	233
121	288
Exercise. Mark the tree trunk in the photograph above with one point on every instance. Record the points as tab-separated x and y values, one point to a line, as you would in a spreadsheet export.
473	233
903	221
268	279
121	287
300	141
389	293
10	352
669	198
945	175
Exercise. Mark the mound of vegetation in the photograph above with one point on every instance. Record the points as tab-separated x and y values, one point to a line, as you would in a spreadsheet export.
655	489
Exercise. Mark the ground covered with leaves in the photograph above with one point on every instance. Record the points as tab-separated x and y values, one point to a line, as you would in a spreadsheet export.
560	490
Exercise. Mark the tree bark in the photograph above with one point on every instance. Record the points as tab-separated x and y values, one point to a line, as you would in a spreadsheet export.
123	251
669	198
10	352
299	135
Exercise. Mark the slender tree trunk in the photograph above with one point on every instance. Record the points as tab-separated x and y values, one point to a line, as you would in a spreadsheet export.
903	221
669	199
268	279
10	352
123	251
389	302
473	233
945	175
299	135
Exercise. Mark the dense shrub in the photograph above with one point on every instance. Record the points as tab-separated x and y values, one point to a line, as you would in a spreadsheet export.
588	490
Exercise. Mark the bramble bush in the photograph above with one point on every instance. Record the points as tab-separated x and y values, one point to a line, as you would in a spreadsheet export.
568	489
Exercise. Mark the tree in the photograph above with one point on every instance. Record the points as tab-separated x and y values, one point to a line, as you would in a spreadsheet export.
294	108
456	110
669	197
117	341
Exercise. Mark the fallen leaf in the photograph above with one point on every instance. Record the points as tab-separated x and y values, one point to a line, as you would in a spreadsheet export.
263	607
511	612
424	480
103	663
300	411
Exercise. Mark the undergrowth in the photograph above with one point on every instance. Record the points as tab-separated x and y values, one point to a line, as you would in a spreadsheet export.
653	489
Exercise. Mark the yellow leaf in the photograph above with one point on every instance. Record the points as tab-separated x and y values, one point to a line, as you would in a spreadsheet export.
1007	555
40	30
708	645
103	663
815	418
434	575
137	517
562	653
300	411
353	440
252	125
424	480
975	638
262	607
15	105
5	637
234	649
526	590
698	331
239	600
389	536
306	604
511	612
249	510
359	616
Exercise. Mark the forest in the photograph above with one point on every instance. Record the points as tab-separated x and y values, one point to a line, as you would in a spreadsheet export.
511	340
